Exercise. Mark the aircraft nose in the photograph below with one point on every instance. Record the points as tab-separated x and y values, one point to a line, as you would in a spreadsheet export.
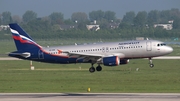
169	49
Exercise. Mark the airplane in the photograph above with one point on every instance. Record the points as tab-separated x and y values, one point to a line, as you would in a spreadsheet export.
108	54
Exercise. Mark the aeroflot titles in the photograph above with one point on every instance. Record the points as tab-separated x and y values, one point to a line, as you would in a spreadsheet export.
128	43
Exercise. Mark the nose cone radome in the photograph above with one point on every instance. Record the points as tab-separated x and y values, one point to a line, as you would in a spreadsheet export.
169	50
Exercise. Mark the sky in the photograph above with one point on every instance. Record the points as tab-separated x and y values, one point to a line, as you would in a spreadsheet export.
68	7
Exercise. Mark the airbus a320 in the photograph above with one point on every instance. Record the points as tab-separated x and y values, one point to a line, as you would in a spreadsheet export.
108	54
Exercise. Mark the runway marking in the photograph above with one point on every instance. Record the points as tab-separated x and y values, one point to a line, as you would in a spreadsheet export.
9	58
167	57
90	96
51	69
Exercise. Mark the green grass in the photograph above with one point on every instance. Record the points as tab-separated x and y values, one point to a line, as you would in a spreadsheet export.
16	76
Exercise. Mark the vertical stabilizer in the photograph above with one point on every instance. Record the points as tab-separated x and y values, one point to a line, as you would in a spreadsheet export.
22	40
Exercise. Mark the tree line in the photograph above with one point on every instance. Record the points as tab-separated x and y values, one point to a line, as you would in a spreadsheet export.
130	26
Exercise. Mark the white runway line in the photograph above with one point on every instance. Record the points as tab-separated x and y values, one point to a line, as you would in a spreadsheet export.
89	96
167	57
51	69
9	58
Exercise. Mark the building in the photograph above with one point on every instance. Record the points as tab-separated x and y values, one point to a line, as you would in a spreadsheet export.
93	27
168	26
4	27
164	26
67	27
113	25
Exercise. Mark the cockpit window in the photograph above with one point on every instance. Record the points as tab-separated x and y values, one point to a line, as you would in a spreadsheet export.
161	44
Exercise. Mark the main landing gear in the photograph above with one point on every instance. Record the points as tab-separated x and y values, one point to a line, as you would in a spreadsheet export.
92	69
150	63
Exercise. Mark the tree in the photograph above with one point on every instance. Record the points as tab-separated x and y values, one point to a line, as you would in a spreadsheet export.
79	16
109	15
6	18
16	19
129	17
56	18
176	23
29	15
140	19
165	16
153	17
96	15
68	22
174	14
0	19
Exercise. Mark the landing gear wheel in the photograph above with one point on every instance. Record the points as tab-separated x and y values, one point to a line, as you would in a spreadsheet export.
98	68
151	65
92	69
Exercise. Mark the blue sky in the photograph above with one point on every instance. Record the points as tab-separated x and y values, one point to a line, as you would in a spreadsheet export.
67	7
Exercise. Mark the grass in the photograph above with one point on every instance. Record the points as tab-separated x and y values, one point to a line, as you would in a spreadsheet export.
16	76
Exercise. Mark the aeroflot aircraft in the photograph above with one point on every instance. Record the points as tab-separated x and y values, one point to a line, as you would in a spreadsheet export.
108	54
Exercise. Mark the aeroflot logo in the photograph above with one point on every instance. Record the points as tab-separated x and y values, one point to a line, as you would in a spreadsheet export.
129	43
22	38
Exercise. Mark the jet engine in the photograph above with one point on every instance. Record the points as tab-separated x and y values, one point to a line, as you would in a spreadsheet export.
111	61
114	61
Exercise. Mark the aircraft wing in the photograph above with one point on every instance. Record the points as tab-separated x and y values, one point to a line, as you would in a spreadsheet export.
93	57
85	57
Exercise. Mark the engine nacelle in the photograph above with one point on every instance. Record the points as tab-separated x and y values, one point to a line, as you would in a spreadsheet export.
124	61
114	61
111	61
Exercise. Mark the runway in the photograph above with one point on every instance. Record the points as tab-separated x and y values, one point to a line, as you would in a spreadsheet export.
8	58
89	96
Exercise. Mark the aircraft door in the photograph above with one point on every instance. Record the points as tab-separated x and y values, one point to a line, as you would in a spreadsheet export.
148	46
103	49
107	49
41	54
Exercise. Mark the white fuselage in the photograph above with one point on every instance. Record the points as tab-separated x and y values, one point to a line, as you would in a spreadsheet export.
126	49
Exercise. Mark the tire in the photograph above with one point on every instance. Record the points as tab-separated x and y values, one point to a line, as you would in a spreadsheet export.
92	69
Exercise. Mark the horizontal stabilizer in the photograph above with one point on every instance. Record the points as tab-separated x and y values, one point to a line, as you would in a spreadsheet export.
26	54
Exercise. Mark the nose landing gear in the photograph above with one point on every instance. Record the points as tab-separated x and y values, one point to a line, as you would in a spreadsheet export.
150	63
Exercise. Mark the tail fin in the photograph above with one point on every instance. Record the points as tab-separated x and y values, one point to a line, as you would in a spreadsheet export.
22	40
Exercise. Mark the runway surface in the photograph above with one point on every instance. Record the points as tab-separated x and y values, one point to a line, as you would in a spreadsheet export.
8	58
90	97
